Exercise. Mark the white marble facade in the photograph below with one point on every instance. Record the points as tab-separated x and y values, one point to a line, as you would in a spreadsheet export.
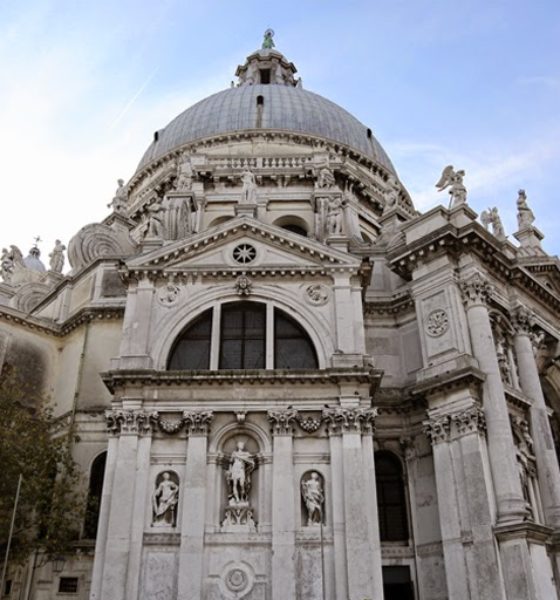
305	388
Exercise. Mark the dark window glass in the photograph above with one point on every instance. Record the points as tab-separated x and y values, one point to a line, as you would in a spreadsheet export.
192	349
265	75
397	584
393	525
68	585
8	587
243	326
292	347
95	490
260	101
295	229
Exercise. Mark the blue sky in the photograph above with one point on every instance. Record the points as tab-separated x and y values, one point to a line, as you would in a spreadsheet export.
83	85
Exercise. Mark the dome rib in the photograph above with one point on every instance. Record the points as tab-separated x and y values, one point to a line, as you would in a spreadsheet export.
286	108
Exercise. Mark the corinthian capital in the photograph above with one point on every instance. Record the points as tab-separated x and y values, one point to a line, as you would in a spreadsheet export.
437	429
198	421
282	420
476	290
346	420
470	420
137	422
523	321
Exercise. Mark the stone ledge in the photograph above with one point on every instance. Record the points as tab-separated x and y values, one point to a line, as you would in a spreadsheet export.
533	532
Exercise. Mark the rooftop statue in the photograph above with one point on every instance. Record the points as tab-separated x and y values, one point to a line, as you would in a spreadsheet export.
525	216
119	201
268	42
56	262
457	191
492	217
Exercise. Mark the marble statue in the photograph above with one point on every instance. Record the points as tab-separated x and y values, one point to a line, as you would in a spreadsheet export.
56	262
184	175
176	217
249	190
334	217
392	194
325	179
118	203
454	180
492	217
155	228
268	42
164	501
6	265
238	475
525	216
313	498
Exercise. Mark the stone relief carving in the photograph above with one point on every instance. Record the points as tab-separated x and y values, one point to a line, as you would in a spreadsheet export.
169	294
184	175
282	420
120	199
437	322
526	461
470	420
392	194
309	424
198	421
312	492
243	285
249	188
56	262
96	241
523	321
237	581
525	216
334	217
325	179
437	429
347	420
165	499
454	180
130	421
476	290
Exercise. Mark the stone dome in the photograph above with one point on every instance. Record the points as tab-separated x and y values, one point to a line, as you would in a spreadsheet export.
280	108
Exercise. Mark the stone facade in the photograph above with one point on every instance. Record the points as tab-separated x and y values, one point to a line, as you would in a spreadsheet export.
304	388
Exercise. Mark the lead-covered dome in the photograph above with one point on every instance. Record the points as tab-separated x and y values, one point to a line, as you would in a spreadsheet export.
268	98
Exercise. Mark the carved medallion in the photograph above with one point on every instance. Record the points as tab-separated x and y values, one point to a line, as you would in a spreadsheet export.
237	580
244	254
169	294
437	323
317	294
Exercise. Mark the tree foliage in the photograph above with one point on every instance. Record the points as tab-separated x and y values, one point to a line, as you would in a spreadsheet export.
34	444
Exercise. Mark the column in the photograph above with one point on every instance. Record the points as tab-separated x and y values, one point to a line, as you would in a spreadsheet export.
501	447
129	423
471	561
193	488
283	506
103	522
363	575
547	463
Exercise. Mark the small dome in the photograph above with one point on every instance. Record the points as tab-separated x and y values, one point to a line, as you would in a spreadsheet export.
267	107
33	262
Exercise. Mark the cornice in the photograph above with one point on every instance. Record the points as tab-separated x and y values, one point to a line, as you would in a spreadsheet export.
400	302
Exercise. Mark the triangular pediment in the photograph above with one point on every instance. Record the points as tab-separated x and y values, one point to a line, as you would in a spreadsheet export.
243	244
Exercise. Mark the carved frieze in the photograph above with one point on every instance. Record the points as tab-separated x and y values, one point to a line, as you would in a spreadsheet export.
282	420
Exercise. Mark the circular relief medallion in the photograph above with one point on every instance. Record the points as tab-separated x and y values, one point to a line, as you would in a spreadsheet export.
237	580
437	322
244	254
317	294
169	294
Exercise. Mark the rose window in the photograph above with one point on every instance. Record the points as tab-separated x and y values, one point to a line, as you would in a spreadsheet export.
244	254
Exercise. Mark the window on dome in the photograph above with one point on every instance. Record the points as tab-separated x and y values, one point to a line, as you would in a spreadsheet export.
243	335
391	504
265	76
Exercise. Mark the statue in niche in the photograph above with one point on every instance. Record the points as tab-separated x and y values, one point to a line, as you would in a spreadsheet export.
119	202
525	216
525	458
238	475
334	216
503	358
155	228
325	179
454	180
164	501
184	175
249	189
313	498
56	262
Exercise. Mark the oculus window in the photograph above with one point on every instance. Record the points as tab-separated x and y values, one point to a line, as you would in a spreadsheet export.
243	335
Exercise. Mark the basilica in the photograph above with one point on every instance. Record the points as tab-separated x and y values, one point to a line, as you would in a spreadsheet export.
287	383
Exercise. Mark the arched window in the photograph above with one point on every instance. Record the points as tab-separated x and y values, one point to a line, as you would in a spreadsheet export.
391	504
252	335
96	476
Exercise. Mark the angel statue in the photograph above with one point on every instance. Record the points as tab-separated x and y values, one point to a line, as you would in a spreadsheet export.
313	498
238	475
457	191
492	217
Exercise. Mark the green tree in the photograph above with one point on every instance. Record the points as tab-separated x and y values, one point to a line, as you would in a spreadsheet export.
35	444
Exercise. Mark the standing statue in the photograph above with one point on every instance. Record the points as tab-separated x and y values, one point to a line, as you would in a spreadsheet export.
392	194
119	202
249	190
155	228
492	217
334	217
238	475
457	191
6	265
268	42
313	498
525	216
164	501
184	175
57	257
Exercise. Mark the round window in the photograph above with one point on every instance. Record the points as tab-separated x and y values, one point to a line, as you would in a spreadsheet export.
244	254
